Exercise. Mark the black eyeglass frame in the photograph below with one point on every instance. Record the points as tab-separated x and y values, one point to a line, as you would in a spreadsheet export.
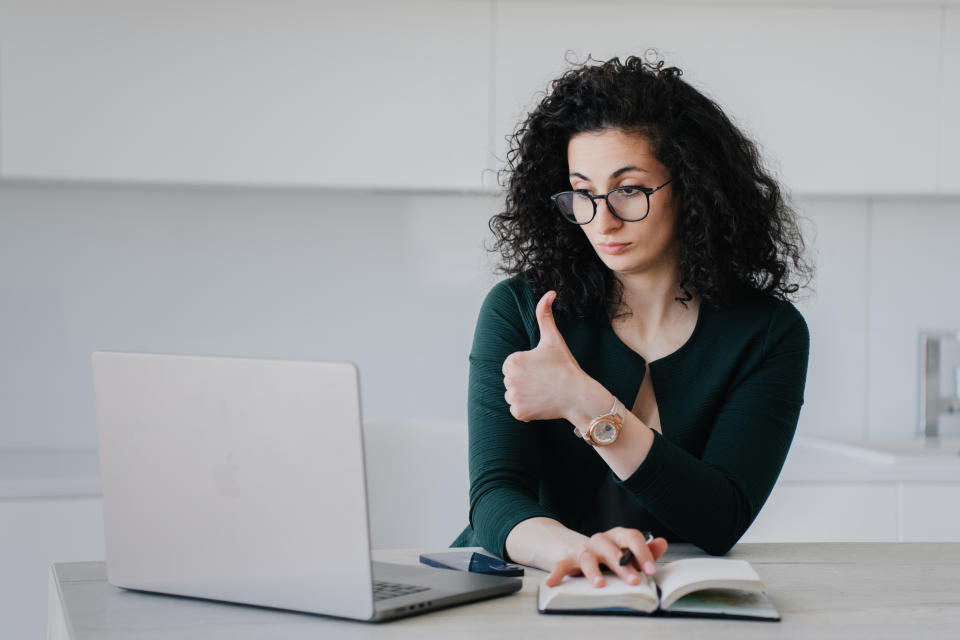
647	191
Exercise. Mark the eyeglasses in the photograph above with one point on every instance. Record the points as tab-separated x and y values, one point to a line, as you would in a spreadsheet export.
630	204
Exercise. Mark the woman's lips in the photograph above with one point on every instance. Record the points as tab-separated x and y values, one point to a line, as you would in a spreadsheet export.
614	248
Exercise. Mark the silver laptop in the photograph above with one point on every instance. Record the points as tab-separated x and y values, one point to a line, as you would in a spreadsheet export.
243	480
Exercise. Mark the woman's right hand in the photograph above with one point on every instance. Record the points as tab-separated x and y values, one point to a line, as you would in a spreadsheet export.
607	548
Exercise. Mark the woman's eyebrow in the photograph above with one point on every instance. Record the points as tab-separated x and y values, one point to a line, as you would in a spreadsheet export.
612	175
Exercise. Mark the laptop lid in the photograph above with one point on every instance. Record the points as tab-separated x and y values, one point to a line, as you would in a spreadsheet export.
235	479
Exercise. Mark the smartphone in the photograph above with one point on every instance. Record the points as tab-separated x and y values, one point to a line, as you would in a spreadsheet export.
471	561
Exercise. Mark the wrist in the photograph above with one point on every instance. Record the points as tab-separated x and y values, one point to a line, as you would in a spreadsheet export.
591	401
541	542
562	542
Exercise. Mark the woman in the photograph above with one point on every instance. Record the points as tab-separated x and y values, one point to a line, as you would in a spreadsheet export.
642	368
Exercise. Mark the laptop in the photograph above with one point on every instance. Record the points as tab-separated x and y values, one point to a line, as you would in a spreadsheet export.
242	480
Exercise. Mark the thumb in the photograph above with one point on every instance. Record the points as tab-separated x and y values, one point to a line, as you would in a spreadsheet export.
549	334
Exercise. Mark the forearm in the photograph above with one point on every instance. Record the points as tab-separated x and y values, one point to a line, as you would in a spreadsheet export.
542	542
694	499
698	492
589	400
711	500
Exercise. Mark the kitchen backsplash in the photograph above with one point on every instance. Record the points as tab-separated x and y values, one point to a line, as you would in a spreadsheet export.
393	282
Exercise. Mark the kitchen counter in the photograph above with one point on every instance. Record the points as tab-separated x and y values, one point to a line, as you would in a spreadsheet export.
825	460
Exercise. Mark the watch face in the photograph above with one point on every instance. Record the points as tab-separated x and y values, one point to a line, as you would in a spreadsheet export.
605	432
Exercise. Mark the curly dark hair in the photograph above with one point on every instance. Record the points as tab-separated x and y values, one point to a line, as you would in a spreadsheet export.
734	226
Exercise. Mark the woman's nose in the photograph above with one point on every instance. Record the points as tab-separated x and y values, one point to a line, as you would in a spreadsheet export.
605	220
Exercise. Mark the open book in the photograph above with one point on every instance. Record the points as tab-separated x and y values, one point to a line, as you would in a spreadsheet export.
705	587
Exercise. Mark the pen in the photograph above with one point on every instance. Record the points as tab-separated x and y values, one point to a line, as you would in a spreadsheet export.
628	554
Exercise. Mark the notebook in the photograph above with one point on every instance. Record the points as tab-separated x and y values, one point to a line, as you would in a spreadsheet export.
243	480
700	587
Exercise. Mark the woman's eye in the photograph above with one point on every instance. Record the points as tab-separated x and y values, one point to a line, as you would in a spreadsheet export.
631	191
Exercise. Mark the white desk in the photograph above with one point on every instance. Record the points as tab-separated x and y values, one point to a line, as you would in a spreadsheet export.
822	590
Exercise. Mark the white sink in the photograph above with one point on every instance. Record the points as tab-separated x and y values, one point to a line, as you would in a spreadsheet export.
906	450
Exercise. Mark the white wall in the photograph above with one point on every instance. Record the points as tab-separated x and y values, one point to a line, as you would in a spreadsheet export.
393	282
888	268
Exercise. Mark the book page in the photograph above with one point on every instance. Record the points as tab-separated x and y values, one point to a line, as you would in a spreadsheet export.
680	577
577	593
725	602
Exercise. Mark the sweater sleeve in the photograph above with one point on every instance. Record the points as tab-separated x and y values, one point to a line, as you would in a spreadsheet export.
504	453
713	500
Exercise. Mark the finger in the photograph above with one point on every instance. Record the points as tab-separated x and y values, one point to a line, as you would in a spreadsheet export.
516	413
566	566
590	566
610	553
507	362
658	546
549	334
643	556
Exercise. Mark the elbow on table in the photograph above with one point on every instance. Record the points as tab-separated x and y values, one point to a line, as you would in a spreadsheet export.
720	545
727	531
719	548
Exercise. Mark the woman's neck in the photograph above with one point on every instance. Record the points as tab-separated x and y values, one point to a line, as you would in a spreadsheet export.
651	298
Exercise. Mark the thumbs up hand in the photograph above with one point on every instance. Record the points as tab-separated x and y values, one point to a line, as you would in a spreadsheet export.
542	382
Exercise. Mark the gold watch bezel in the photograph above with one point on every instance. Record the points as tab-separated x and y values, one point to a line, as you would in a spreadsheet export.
613	417
610	418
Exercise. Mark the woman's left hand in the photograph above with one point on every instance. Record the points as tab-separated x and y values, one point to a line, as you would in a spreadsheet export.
542	382
606	548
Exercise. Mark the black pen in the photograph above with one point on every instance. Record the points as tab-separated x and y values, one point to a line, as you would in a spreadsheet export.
628	554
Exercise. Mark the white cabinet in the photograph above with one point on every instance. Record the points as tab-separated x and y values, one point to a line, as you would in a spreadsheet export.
859	512
849	98
864	512
418	485
334	93
931	512
950	104
34	533
843	99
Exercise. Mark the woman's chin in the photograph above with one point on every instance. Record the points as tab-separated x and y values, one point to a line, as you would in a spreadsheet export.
619	262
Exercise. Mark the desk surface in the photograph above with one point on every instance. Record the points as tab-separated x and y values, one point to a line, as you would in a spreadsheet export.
822	590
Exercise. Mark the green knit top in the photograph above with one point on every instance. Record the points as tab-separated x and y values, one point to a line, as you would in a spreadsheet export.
729	400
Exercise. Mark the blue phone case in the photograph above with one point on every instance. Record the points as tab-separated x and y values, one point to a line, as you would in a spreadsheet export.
471	561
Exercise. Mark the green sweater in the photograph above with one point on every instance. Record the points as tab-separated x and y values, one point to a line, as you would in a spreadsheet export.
729	400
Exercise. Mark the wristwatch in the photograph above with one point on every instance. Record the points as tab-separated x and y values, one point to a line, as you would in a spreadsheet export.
604	429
